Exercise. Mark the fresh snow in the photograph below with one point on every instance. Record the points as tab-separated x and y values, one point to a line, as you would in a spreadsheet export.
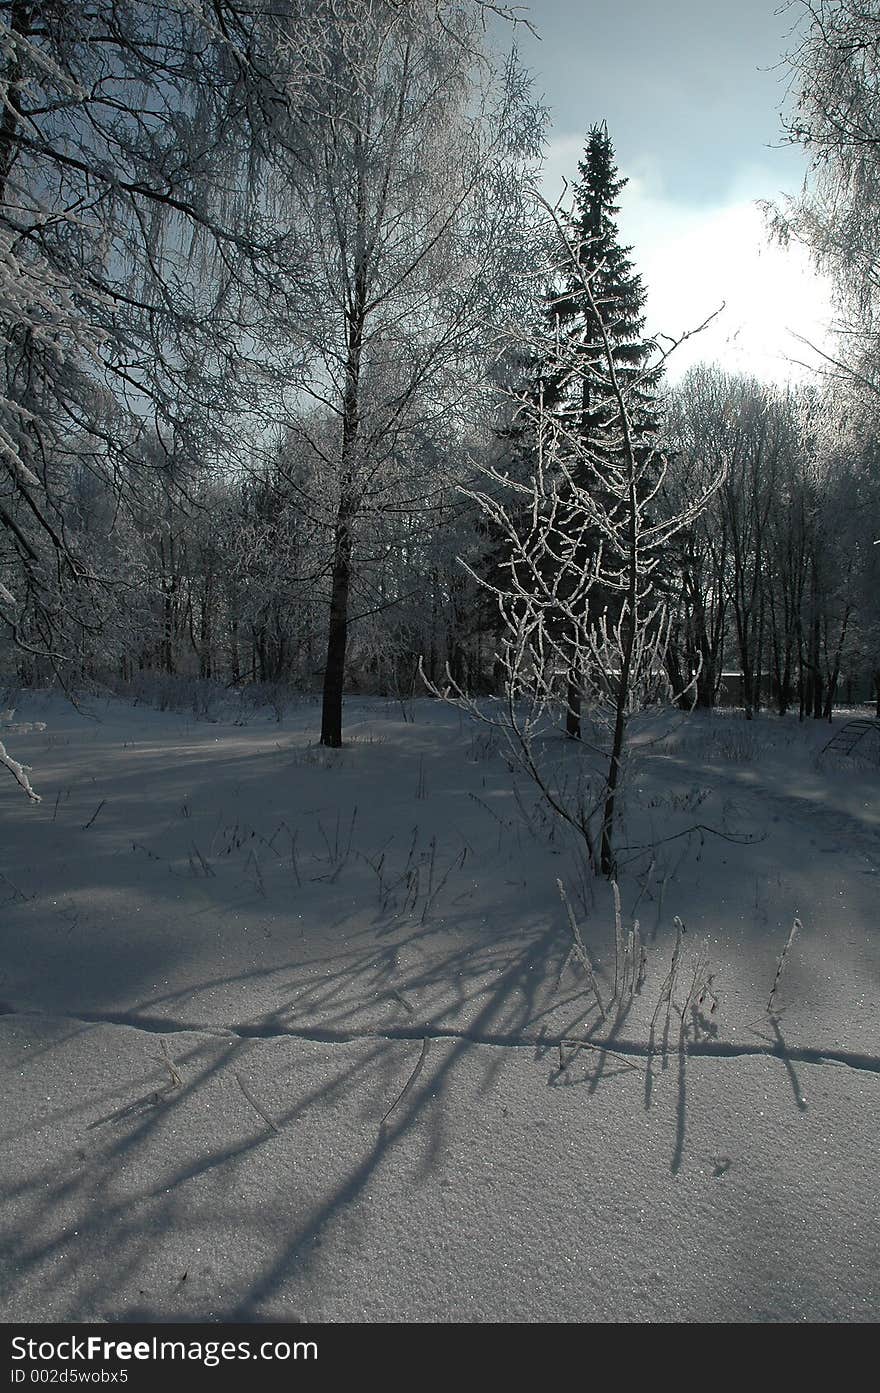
282	1026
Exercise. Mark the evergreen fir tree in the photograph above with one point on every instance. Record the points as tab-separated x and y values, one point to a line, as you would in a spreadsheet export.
585	535
588	330
586	401
562	378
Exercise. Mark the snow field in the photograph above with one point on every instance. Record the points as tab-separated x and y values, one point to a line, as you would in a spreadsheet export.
299	1024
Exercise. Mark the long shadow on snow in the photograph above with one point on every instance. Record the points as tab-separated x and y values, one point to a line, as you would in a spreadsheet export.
420	1104
79	1189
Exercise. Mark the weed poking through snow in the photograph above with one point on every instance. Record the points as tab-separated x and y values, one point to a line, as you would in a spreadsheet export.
578	950
796	924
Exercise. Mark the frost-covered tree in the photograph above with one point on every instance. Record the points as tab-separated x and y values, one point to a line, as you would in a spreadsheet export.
577	593
405	187
834	113
698	559
137	247
594	320
770	575
612	314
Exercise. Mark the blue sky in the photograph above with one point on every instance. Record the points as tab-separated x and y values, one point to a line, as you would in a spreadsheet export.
691	91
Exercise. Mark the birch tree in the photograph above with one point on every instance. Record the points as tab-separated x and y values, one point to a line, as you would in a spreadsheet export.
134	238
136	245
834	113
405	186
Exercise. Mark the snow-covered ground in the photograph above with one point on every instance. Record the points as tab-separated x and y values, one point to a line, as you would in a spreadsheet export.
291	1032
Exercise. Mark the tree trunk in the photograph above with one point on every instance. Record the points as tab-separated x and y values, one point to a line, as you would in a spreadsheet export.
340	583
606	855
607	859
19	23
573	706
337	635
834	675
234	657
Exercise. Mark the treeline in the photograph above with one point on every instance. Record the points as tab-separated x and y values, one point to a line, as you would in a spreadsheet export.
231	582
773	590
778	581
269	277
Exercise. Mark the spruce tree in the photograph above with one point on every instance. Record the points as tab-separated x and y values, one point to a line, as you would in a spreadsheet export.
561	380
596	338
580	595
586	402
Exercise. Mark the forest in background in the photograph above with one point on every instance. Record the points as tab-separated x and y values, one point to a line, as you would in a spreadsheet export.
283	317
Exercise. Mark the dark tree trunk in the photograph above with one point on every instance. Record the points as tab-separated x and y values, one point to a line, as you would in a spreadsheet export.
234	657
340	583
337	636
573	707
19	24
759	676
834	675
816	672
607	859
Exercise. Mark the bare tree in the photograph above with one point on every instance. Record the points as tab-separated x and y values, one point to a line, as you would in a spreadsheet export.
834	113
771	570
700	552
404	184
131	139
